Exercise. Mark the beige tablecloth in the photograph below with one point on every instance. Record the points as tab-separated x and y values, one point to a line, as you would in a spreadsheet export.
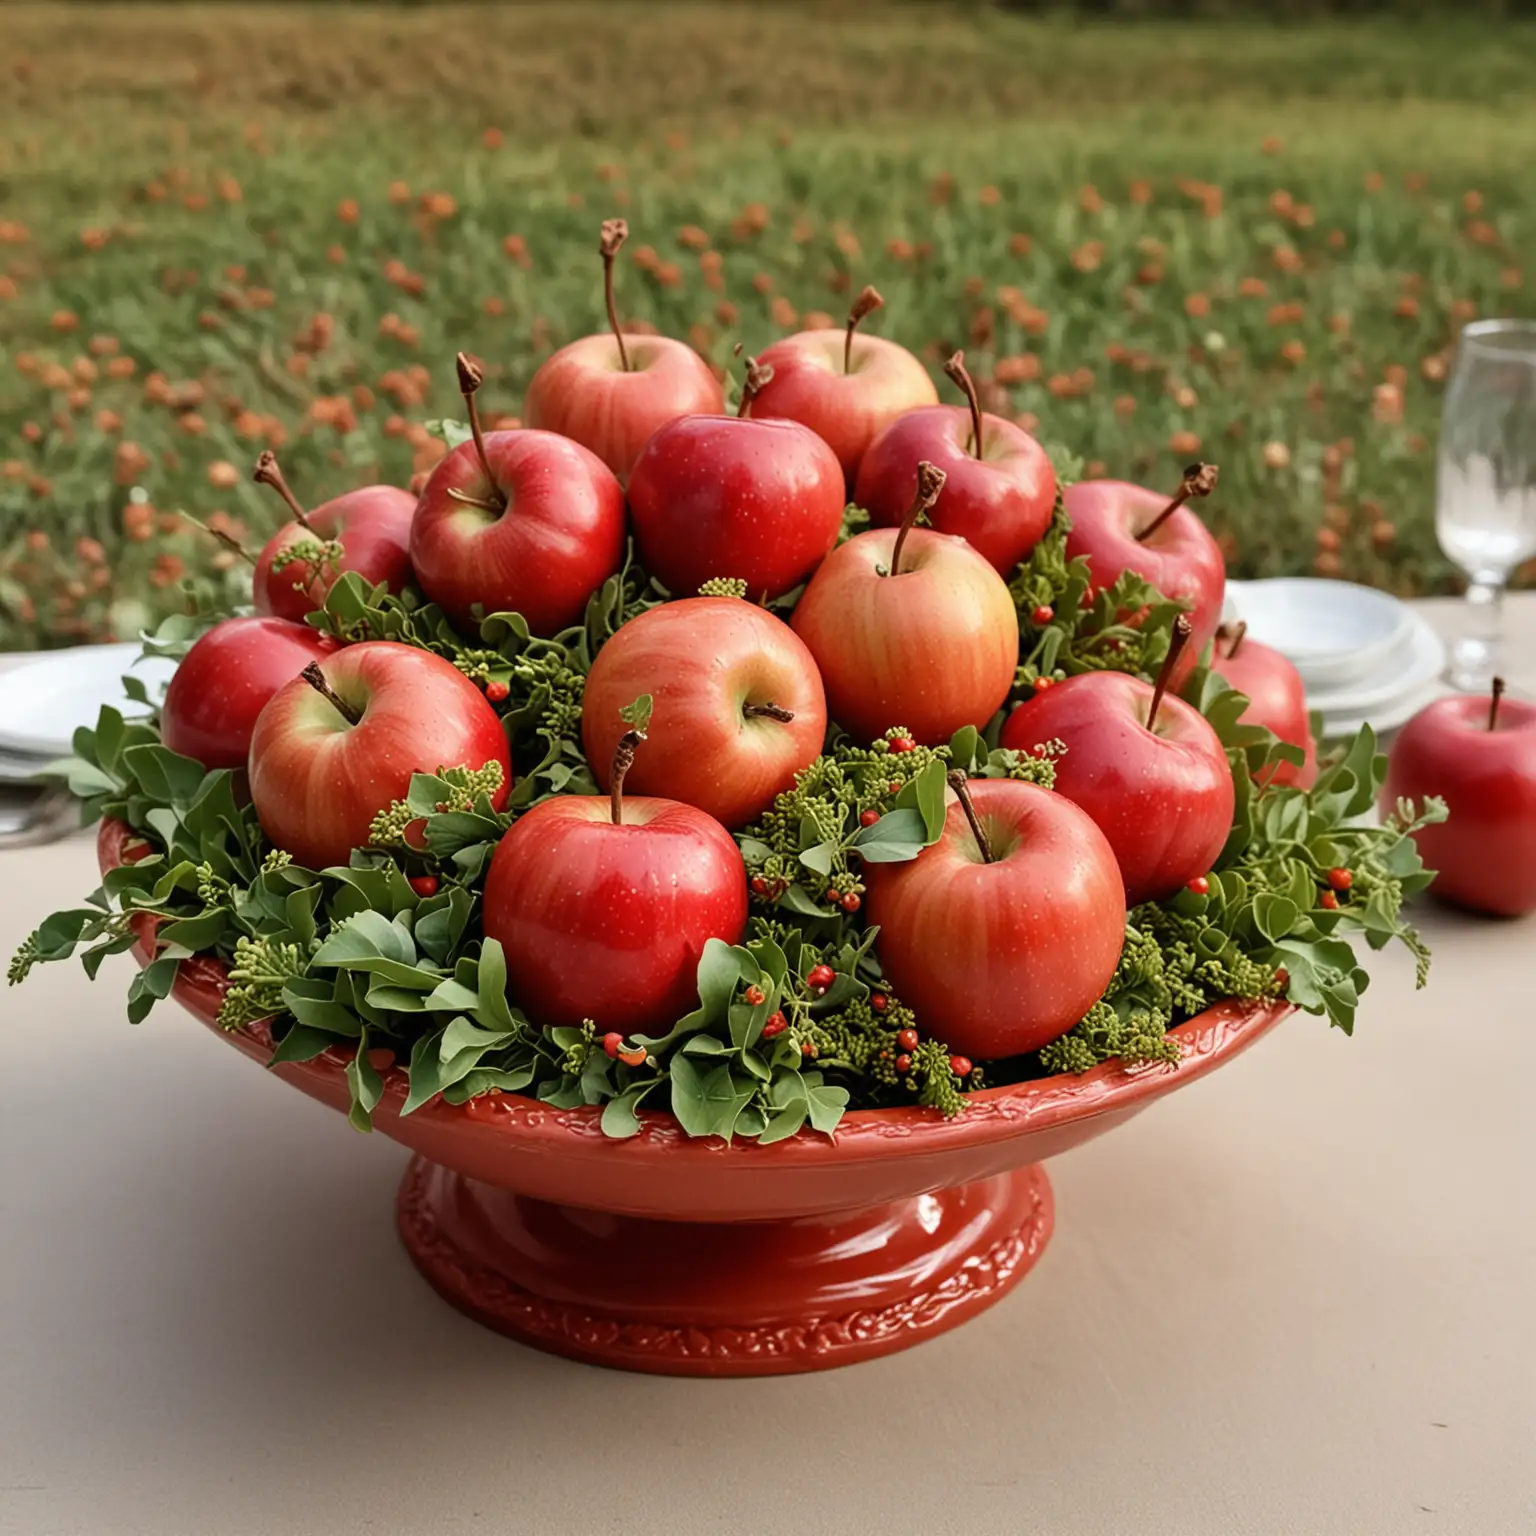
1295	1298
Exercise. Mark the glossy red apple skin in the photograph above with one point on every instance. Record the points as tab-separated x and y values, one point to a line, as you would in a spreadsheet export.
1001	505
932	649
845	410
1486	852
584	393
998	959
1277	698
225	680
373	526
1181	559
702	660
559	539
720	496
1163	797
607	922
318	781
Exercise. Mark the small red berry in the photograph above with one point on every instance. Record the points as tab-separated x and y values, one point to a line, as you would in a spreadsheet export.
1042	683
879	1001
496	690
1340	879
821	976
612	1041
851	902
1199	885
1086	600
869	818
755	995
774	1025
1043	614
759	886
807	1049
634	1058
424	885
960	1065
907	1039
834	896
1282	977
903	744
895	789
1328	900
903	1063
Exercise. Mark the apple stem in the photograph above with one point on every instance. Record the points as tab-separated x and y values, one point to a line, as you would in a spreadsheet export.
759	376
1182	629
1493	703
623	761
1199	480
1238	636
957	371
768	711
867	303
470	380
226	539
316	680
930	481
614	233
268	473
956	780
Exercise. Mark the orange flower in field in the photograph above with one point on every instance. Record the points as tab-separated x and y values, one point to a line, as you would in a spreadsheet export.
195	202
989	196
1196	306
491	138
1280	202
192	423
899	250
1019	244
95	238
399	192
700	336
138	522
1149	274
1462	310
64	320
817	320
1285	314
514	246
1375	181
1061	385
1271	146
1382	533
8	288
1433	367
1125	405
1287	258
1294	352
1184	443
156	191
1511	278
121	368
260	298
439	205
669	275
1185	398
802	231
1339	324
726	312
1089	200
1253	288
103	346
1141	192
89	550
847	242
1277	456
762	283
32	432
1472	202
692	238
1020	368
1089	256
941	189
12	233
783	313
394	426
493	306
711	261
347	210
222	475
79	398
229	189
645	257
1303	217
54	376
1396	374
108	422
1387	404
1406	308
1328	538
1337	239
676	140
1414	181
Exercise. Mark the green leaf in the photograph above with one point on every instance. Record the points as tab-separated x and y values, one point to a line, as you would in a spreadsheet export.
926	794
898	835
163	774
365	1086
368	936
819	858
637	716
620	1119
149	985
1273	915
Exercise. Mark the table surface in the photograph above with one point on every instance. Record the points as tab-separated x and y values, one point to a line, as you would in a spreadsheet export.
1294	1298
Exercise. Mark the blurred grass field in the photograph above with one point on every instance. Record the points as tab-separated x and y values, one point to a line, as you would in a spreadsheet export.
226	228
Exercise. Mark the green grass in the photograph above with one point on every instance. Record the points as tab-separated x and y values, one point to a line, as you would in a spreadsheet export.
955	130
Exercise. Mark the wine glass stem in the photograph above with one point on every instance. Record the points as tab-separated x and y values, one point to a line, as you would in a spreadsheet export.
1476	652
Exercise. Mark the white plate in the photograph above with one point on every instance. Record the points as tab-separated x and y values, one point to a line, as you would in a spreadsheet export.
22	767
1387	718
1333	632
1406	670
43	701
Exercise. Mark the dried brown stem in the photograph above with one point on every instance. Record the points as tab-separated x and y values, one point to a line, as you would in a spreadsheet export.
956	780
1493	703
623	761
769	711
316	680
1239	634
930	481
227	540
1182	630
1199	480
267	472
867	303
957	371
614	233
759	376
470	380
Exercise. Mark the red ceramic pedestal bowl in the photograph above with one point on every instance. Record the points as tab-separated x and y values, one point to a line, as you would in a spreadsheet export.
696	1257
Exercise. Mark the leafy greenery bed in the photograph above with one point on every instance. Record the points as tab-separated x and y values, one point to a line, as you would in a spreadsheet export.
355	959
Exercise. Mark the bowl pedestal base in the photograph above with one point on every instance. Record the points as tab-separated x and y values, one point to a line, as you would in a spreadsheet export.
758	1298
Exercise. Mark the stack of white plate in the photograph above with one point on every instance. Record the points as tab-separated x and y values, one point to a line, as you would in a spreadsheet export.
45	698
1362	654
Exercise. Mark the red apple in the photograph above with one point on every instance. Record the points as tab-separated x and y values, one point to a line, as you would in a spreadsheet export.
1479	756
527	522
999	497
371	524
225	679
339	743
604	906
1002	936
611	392
1122	527
843	385
738	705
732	496
1276	699
1148	769
932	646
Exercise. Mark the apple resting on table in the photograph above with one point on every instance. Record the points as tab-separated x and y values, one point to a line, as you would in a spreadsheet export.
367	530
225	680
1000	490
524	521
1144	765
1007	930
1277	698
603	906
911	628
1121	527
732	496
338	744
844	385
610	392
1479	756
738	705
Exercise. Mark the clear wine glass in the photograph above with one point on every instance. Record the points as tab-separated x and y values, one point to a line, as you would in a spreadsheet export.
1485	510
